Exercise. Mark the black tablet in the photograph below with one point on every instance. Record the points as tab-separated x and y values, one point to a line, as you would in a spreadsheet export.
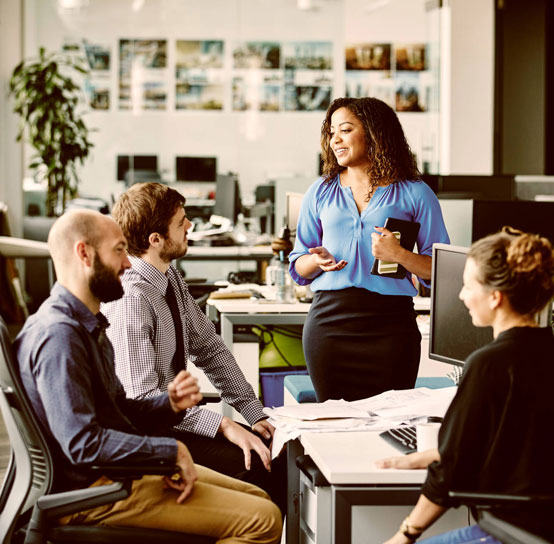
406	232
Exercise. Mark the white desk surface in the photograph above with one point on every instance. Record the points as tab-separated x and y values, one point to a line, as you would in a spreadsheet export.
257	306
22	248
349	458
230	251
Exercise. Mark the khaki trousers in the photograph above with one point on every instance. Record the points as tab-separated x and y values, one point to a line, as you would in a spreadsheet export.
219	506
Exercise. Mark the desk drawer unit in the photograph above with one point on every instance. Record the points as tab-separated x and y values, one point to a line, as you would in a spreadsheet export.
314	504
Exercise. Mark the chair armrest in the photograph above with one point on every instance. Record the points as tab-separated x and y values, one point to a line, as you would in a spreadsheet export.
500	499
507	532
209	397
133	472
66	503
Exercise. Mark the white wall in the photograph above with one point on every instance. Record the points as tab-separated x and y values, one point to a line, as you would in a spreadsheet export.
10	152
468	84
257	145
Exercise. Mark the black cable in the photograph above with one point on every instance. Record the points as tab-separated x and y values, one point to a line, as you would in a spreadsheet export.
269	331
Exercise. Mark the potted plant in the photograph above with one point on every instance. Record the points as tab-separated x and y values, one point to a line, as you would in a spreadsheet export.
47	100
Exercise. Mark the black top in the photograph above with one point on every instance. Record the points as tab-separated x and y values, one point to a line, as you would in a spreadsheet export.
494	436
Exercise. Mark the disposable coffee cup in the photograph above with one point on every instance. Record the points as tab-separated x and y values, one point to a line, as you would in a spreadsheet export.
427	435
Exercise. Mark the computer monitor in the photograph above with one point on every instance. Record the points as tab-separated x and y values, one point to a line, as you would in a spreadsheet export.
196	169
452	335
227	197
294	201
490	216
478	187
135	162
471	187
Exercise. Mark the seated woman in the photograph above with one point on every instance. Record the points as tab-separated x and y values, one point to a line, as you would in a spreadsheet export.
492	438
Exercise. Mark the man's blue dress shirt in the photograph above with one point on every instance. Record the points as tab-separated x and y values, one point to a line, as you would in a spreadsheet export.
67	367
329	218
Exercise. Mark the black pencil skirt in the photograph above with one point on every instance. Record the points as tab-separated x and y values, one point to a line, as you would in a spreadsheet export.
358	343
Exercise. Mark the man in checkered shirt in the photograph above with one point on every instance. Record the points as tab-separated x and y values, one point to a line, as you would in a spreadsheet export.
149	352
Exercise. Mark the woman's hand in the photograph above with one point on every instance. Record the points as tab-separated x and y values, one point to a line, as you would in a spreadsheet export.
385	246
398	538
418	459
325	261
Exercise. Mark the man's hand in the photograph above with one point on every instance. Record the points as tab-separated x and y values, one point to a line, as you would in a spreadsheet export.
245	440
385	246
187	473
325	260
264	427
418	459
183	392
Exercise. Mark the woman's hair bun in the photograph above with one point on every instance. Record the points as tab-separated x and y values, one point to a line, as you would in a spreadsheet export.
529	254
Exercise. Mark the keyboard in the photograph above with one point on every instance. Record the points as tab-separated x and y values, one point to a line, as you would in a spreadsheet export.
402	438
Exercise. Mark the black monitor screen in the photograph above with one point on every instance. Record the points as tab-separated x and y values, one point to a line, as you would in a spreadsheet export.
477	187
489	216
196	168
135	162
227	197
452	336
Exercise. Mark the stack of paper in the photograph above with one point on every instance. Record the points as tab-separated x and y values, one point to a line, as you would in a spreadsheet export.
381	412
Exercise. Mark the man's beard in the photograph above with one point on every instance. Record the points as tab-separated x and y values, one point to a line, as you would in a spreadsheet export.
171	251
104	283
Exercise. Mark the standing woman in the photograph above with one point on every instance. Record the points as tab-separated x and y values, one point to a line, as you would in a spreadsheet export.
492	439
360	337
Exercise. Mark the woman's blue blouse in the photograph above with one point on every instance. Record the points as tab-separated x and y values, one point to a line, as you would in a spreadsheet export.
329	218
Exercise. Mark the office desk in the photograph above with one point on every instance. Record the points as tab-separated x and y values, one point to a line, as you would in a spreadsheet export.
231	312
347	461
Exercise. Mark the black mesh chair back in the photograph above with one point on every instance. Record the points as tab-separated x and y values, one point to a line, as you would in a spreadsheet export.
30	474
31	467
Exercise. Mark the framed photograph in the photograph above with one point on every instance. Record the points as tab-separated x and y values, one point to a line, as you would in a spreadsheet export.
262	92
199	78
257	55
308	55
308	90
371	83
411	57
143	77
368	56
410	92
199	54
199	91
98	93
98	56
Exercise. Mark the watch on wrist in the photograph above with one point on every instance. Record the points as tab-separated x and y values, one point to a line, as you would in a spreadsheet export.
410	531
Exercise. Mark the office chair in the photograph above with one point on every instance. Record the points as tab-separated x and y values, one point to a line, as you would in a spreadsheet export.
29	509
493	524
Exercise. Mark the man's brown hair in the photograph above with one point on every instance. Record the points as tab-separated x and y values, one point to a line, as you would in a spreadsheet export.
143	209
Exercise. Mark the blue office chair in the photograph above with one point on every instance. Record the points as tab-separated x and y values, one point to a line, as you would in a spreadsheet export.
28	508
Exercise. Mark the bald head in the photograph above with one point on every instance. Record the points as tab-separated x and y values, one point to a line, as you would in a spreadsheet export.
77	226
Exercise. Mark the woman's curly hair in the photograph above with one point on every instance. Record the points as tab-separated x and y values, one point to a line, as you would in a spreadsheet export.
388	151
518	264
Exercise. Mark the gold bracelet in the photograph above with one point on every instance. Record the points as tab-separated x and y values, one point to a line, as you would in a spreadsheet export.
405	530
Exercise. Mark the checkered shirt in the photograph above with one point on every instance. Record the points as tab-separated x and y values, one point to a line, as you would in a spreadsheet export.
143	336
